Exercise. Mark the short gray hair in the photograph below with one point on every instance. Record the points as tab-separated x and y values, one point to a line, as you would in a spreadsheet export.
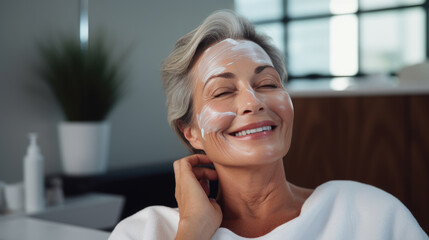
176	68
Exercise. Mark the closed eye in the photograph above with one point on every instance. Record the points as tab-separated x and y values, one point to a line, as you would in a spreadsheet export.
269	86
222	94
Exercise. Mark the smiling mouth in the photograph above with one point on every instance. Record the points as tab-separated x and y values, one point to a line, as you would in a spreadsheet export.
252	131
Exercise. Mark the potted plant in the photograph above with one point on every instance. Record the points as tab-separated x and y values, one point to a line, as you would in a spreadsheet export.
87	83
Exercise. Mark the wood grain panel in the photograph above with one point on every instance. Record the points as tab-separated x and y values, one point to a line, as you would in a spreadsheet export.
381	144
419	160
307	154
355	138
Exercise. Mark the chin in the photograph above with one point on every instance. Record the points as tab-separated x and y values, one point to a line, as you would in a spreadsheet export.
256	156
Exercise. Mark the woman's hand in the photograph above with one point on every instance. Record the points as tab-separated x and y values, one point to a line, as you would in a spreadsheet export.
200	216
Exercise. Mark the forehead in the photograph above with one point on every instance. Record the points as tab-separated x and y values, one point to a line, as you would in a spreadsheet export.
223	54
234	49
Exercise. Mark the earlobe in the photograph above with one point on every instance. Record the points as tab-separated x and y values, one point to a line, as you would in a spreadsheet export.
192	135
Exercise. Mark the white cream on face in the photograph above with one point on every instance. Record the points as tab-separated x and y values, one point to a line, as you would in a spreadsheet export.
252	92
218	117
217	58
212	121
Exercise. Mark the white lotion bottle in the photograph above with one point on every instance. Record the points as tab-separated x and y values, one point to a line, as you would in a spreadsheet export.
34	186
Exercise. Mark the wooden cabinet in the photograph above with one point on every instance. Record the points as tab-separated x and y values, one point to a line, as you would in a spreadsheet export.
382	141
419	159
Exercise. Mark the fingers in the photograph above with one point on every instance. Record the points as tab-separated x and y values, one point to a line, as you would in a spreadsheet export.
188	174
198	159
205	173
205	185
196	210
185	166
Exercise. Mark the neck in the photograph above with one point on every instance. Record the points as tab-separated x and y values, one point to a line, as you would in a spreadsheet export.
256	193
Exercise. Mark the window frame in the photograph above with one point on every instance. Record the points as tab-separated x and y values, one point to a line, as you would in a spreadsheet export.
285	20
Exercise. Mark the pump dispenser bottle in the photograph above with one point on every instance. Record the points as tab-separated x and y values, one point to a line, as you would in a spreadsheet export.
34	177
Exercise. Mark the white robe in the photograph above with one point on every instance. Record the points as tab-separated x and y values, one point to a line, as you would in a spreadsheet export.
335	210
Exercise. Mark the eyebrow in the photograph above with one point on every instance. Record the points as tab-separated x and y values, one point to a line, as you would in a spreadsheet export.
261	68
229	75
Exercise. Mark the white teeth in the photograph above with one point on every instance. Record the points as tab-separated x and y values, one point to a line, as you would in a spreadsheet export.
255	130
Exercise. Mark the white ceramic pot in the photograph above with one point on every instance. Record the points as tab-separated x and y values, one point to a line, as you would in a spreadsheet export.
84	147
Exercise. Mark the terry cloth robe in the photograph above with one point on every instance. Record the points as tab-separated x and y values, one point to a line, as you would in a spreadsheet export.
335	210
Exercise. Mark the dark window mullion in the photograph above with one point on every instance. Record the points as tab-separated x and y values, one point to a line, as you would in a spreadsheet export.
388	8
285	36
359	40
262	22
426	8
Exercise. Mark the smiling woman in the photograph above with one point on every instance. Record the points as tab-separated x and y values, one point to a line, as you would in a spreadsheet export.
226	101
239	92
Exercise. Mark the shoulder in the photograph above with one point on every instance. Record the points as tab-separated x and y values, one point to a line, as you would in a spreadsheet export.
371	209
355	188
156	222
340	195
361	194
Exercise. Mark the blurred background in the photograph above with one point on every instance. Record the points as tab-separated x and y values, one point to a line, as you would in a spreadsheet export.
357	76
140	132
343	38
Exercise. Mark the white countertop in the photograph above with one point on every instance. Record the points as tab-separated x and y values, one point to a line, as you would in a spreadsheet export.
94	210
356	87
26	228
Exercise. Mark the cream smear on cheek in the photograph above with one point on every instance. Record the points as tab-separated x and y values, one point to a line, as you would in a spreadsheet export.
210	120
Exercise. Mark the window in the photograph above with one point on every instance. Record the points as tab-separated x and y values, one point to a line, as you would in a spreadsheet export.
330	38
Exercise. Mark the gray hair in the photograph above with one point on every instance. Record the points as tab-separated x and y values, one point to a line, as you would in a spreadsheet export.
176	68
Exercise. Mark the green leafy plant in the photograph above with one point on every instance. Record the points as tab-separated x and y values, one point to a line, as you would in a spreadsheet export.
87	82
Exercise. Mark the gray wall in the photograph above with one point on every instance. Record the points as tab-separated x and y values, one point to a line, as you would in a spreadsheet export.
140	132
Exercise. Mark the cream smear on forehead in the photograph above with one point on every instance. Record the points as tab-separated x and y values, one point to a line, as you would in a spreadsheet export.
210	120
217	58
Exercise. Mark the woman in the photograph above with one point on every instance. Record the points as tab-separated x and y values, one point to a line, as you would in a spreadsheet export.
226	102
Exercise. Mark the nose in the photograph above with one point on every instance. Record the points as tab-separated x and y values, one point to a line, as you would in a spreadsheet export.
249	102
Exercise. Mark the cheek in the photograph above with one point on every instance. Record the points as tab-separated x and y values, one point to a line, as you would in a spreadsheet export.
213	120
281	104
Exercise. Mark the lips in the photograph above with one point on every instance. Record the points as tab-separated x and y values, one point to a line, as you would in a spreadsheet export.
254	128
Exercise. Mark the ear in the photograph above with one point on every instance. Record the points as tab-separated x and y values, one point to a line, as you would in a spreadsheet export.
192	134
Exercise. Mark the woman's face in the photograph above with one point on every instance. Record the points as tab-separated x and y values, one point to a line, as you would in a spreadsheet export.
242	113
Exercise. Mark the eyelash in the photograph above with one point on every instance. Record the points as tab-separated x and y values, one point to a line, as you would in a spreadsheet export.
269	85
263	86
221	94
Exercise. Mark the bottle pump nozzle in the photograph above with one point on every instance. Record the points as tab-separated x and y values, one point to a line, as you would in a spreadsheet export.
33	148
